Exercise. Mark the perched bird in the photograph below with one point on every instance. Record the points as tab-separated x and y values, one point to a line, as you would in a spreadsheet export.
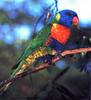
51	38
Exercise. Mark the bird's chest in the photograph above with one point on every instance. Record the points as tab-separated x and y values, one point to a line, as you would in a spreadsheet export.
60	33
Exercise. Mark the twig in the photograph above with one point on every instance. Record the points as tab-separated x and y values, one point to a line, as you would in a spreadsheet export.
75	51
56	5
44	66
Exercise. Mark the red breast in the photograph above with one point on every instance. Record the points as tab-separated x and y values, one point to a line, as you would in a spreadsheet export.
60	33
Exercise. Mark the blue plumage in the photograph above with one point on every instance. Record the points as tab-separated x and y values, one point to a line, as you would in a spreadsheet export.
54	44
66	17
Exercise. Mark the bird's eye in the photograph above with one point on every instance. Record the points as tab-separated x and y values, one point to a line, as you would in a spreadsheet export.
58	16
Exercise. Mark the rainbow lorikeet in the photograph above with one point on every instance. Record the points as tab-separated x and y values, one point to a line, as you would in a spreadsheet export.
52	37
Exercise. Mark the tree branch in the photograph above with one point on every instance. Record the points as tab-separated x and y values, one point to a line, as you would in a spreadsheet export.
44	66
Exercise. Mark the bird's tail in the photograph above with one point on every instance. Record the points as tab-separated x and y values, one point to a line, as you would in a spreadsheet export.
4	88
22	66
18	70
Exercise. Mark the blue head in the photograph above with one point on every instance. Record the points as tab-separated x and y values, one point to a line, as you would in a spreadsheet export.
66	18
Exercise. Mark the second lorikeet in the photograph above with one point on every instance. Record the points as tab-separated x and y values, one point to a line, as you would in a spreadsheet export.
52	37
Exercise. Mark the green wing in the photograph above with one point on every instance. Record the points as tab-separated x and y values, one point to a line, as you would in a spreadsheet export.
38	41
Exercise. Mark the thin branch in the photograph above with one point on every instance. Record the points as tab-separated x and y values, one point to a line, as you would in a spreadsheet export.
44	66
56	5
75	51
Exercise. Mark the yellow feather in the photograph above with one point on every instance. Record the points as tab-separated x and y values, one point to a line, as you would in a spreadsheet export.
27	59
58	16
24	66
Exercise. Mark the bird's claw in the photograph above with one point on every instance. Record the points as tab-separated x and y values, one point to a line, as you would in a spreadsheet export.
58	55
46	59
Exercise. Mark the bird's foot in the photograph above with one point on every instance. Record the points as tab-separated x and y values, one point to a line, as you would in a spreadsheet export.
58	55
46	59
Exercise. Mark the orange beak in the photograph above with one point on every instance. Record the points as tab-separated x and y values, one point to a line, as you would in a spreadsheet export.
75	21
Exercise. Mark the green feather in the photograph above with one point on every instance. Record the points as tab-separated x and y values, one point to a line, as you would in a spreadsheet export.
38	41
35	43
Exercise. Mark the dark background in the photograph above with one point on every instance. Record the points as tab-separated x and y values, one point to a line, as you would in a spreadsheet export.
17	24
